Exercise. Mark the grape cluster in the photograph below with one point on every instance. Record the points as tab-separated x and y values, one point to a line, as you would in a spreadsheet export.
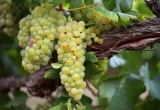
46	29
71	49
37	36
73	39
9	16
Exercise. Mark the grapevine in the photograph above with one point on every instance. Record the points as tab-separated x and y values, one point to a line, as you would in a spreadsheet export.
37	36
47	29
68	50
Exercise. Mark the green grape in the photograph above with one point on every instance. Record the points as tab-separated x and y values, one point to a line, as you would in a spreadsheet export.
31	51
77	97
65	70
61	29
29	66
74	91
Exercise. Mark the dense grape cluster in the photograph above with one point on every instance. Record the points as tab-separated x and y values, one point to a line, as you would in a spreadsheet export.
46	29
9	16
37	34
71	49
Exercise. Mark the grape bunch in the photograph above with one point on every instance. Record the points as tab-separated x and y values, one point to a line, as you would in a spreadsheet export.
46	29
71	50
37	36
9	16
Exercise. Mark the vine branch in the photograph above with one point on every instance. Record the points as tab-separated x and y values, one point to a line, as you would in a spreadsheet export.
82	7
91	87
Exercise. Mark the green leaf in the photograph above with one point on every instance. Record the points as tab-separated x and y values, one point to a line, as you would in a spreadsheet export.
88	2
104	12
52	73
58	107
91	70
56	65
9	1
69	103
131	64
122	92
126	17
133	12
87	102
152	105
103	64
75	3
109	4
111	83
61	100
57	2
153	85
91	57
5	99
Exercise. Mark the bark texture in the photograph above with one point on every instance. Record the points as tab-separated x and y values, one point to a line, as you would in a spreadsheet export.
136	37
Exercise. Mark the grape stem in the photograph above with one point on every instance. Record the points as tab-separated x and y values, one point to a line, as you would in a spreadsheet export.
80	8
80	103
91	87
90	24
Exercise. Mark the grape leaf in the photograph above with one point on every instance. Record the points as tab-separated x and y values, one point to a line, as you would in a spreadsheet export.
103	64
111	84
58	107
87	102
122	90
60	100
75	3
56	65
104	12
133	12
125	17
67	1
91	70
153	85
91	57
152	105
57	2
52	73
88	2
